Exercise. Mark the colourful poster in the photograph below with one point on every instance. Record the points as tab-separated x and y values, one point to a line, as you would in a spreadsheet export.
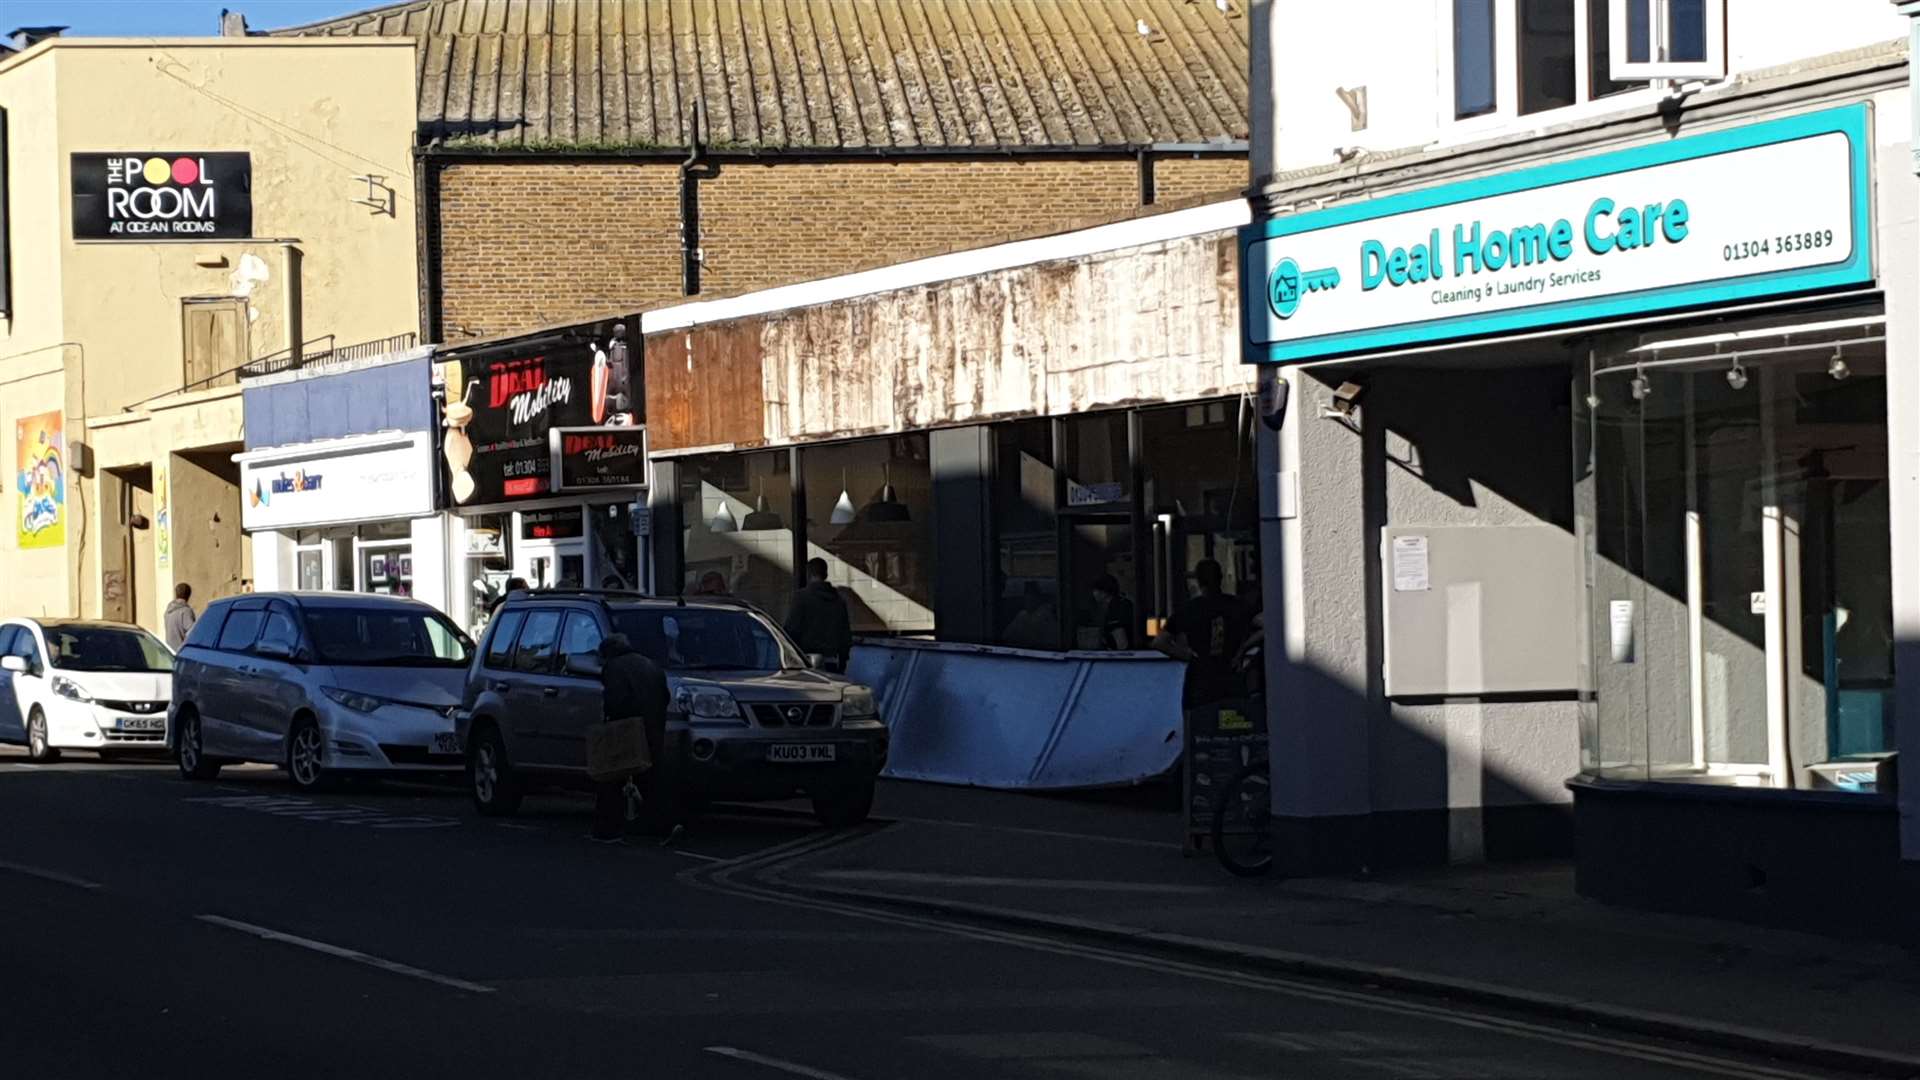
162	515
40	460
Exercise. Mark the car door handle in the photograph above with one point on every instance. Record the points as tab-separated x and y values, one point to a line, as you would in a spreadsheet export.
498	686
549	692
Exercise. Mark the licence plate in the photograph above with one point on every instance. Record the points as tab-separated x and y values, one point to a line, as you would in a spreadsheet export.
143	723
446	742
800	752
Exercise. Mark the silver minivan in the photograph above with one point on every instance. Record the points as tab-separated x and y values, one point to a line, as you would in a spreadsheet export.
321	684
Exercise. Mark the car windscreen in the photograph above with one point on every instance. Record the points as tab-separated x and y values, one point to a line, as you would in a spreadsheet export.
106	648
382	636
701	639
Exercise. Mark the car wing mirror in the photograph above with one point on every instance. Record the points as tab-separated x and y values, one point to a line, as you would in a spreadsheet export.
15	664
816	660
585	665
273	650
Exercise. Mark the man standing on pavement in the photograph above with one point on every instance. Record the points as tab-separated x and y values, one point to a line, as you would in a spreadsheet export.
1207	632
818	621
179	617
634	687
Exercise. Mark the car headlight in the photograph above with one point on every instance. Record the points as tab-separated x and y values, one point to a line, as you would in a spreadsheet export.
69	689
355	700
857	704
706	704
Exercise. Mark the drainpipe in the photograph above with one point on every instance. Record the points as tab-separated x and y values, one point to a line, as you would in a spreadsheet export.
290	299
692	171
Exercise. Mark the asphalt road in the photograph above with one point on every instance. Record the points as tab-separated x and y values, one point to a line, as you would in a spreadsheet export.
150	927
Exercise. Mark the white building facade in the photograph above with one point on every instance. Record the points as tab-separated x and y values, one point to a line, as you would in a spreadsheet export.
1591	515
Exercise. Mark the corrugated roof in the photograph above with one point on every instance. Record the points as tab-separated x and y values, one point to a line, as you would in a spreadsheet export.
818	74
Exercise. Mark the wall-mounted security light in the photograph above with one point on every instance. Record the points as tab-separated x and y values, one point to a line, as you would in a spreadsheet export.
1347	398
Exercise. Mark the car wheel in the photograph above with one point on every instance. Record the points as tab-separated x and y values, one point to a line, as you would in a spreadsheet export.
306	754
193	761
845	806
37	747
490	779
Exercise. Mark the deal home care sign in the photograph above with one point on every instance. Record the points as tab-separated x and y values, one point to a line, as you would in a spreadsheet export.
1770	208
162	195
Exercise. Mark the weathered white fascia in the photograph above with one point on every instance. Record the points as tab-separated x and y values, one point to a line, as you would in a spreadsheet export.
1844	76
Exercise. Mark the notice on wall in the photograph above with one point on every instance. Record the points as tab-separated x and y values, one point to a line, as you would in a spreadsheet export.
40	479
1620	624
1410	564
162	514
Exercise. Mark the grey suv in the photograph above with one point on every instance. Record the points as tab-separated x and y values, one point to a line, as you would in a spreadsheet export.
749	720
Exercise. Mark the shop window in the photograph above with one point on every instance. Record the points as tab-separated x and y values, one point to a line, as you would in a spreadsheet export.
1740	605
616	551
869	510
1026	536
1096	461
736	528
485	567
385	553
1200	505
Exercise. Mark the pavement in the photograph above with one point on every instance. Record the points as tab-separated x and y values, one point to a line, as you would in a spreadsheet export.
155	927
1515	934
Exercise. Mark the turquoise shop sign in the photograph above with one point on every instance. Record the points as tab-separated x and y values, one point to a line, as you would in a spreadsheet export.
1768	209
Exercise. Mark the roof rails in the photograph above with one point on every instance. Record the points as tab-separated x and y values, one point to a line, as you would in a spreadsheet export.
628	594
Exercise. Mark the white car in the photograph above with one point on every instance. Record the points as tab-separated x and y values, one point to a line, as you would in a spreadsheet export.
67	684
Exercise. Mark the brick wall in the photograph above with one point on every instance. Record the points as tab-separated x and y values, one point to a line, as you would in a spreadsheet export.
529	245
526	245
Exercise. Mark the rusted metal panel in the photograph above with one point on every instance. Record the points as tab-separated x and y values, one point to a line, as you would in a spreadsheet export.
703	386
1140	325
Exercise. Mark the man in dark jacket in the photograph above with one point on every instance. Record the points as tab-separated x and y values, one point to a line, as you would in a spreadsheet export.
633	686
818	622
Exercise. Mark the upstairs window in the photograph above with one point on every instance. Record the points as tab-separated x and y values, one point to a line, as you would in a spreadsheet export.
1668	39
1519	57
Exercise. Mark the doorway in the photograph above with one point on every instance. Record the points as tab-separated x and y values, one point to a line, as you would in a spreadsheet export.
213	340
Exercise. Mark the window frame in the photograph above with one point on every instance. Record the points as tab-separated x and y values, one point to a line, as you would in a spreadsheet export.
499	627
293	620
1507	75
1714	34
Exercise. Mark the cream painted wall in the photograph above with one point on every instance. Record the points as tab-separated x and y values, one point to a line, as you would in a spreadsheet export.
313	116
1405	61
96	326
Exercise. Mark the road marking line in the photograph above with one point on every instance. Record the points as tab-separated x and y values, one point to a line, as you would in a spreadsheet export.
50	875
24	765
1058	834
907	877
346	954
792	1067
697	855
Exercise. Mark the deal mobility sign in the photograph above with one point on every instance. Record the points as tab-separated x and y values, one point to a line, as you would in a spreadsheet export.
1774	208
154	195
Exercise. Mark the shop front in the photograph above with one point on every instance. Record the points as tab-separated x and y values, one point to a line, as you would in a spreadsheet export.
544	454
354	514
1600	446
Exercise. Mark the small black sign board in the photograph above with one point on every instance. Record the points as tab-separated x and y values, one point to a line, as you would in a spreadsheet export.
1222	737
162	195
591	459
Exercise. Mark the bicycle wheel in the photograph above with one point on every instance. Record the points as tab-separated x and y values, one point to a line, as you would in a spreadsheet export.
1242	816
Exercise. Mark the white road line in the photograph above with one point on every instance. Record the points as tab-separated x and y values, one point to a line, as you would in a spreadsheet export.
346	954
697	855
24	765
50	875
793	1068
907	877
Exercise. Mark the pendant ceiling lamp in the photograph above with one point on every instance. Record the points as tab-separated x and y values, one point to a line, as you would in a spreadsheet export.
762	518
723	519
888	506
843	510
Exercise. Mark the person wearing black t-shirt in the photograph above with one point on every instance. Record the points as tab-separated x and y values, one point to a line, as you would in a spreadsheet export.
1207	632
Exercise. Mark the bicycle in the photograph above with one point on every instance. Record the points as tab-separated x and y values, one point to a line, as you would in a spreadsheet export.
1242	822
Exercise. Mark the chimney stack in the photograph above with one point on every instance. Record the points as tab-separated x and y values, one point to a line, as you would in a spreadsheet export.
232	23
